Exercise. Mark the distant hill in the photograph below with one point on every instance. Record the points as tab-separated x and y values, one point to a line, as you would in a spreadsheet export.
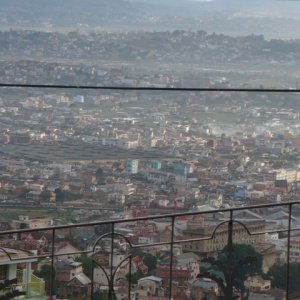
284	6
228	16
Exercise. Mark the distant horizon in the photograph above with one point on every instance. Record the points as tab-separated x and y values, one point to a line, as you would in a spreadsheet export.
271	18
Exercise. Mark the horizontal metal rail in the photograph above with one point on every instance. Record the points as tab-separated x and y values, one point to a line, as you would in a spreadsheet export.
154	217
147	88
227	225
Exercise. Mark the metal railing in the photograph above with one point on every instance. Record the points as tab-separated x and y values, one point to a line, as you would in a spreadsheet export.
148	88
113	258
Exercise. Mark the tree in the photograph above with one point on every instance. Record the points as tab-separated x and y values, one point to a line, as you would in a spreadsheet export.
45	273
136	251
278	164
100	295
100	176
99	173
87	264
103	229
232	267
60	196
135	276
45	195
150	261
277	275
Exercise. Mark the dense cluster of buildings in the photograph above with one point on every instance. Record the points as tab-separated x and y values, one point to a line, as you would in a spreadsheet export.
147	150
72	156
108	156
166	46
123	59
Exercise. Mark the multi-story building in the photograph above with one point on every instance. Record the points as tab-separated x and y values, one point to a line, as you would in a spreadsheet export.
132	166
16	275
20	138
216	240
179	273
72	280
295	250
150	286
257	284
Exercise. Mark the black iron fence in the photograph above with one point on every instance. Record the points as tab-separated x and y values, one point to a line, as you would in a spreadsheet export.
226	253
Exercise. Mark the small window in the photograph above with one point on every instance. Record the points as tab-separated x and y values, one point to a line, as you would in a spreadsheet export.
3	272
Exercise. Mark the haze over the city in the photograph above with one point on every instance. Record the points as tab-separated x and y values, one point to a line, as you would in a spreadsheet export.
273	18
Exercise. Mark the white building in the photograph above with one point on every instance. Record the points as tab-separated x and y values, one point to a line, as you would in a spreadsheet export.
14	262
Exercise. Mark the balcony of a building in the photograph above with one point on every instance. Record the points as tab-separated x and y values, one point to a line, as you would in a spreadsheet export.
237	253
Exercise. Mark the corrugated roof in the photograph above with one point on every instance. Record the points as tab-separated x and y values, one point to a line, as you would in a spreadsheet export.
153	278
83	279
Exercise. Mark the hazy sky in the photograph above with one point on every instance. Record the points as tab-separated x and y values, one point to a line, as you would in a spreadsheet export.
235	17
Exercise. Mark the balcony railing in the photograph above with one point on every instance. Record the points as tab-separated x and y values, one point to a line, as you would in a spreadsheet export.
159	257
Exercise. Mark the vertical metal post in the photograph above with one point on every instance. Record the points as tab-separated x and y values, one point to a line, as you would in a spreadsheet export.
111	282
52	264
129	277
171	257
28	274
92	279
288	253
229	288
